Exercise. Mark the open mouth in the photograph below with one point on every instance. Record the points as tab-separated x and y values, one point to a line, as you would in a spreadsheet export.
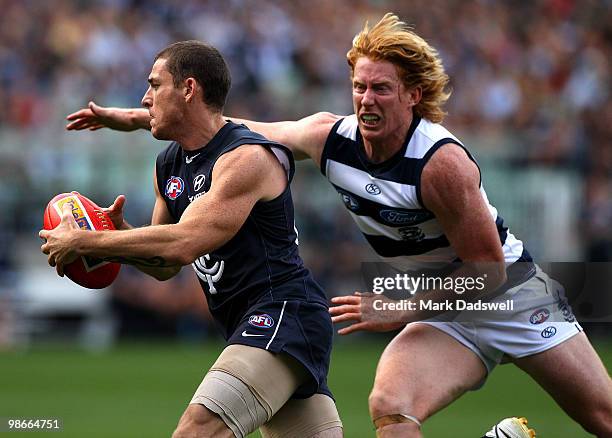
369	119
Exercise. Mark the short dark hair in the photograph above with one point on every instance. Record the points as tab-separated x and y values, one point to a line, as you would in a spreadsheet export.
203	62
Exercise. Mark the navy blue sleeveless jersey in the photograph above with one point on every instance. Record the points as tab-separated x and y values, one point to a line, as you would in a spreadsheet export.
261	262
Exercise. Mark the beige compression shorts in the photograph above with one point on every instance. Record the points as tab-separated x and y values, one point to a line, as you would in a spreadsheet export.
250	387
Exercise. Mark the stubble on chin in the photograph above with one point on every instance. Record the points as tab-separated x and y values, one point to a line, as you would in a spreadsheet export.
159	134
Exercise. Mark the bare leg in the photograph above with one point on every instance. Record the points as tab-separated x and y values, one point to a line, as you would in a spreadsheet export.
575	377
420	372
198	422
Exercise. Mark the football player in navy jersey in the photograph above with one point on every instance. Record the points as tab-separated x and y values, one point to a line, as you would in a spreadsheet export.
223	204
415	192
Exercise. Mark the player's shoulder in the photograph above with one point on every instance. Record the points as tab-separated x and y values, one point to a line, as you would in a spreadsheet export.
321	122
169	153
346	126
324	118
252	156
432	131
241	135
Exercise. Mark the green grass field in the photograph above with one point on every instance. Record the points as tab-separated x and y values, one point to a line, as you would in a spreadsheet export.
140	390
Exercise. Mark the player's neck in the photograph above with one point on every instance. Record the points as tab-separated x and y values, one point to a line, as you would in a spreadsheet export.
201	131
379	150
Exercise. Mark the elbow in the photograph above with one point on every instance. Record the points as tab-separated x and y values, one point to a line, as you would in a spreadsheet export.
500	275
166	274
496	276
489	275
186	255
182	251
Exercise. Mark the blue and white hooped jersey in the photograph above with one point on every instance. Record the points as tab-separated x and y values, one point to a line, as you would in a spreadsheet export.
385	201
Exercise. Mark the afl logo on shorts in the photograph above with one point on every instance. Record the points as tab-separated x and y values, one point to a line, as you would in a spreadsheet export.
539	316
549	332
261	321
174	187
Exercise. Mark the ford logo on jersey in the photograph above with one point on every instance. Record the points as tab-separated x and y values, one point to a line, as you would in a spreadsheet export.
403	218
539	316
174	187
261	321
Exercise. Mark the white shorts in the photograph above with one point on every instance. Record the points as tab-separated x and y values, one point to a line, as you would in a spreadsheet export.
541	318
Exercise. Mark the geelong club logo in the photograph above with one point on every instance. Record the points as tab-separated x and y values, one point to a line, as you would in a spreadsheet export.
174	187
549	332
372	189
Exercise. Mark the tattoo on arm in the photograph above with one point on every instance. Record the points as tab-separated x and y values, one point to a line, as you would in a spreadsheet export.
152	262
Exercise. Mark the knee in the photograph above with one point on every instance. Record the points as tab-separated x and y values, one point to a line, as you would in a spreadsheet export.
383	402
197	421
599	421
188	426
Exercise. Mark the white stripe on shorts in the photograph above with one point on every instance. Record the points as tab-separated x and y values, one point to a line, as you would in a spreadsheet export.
280	318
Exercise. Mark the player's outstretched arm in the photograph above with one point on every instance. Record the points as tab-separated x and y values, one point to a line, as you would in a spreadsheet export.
206	224
95	117
305	137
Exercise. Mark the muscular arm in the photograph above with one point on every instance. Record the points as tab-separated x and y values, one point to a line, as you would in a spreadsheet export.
204	226
305	137
450	189
160	216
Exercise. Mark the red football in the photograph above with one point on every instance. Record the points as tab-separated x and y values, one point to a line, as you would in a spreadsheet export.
86	271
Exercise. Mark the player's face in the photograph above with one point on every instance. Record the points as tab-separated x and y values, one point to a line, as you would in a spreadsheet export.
381	102
163	100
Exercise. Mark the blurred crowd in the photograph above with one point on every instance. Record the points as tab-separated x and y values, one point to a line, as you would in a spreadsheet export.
531	80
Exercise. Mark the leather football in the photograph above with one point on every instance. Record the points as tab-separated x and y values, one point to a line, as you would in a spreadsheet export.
86	271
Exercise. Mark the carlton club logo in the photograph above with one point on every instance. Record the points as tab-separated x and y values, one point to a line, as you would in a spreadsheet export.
261	321
174	187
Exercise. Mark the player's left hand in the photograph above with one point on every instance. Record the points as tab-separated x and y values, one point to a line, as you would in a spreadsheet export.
59	242
359	309
115	213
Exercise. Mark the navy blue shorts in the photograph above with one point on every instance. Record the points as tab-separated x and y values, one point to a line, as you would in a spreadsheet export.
300	329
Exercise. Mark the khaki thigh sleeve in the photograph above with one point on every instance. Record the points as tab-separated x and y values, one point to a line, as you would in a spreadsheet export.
272	378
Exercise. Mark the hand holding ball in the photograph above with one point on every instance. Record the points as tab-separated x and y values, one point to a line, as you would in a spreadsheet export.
86	271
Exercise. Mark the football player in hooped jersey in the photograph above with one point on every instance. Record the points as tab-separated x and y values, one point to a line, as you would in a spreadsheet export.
415	192
223	204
